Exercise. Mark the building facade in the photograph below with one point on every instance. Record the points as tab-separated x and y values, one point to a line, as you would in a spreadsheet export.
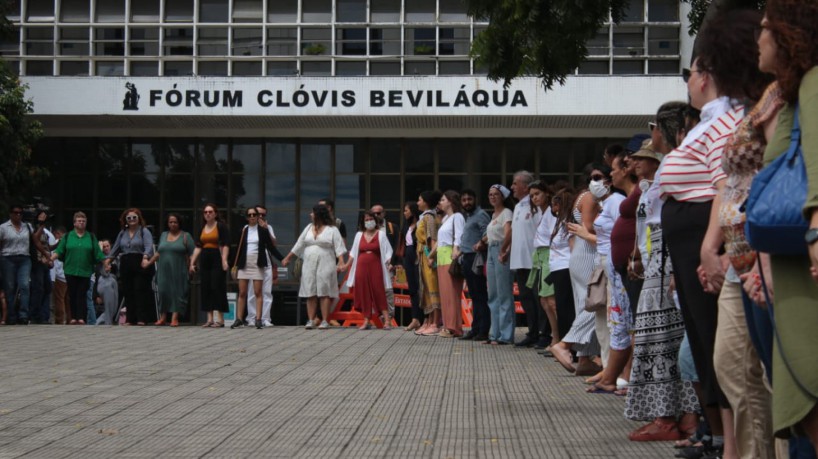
167	104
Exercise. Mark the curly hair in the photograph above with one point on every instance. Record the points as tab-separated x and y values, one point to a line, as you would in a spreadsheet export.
726	49
793	25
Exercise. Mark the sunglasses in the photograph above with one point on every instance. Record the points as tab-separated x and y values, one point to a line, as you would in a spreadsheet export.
687	73
651	126
131	217
251	214
597	177
209	212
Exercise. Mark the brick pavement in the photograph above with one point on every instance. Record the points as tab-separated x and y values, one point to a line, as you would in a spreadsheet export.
90	392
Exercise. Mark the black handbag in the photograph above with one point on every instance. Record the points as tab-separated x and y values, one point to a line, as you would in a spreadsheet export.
456	266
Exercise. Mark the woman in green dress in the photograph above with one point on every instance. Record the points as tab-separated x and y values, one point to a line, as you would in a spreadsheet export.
175	248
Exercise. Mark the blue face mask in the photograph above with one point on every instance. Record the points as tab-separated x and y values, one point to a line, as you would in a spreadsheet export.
369	224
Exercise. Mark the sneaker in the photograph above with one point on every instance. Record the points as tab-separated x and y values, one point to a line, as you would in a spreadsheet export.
309	325
267	323
238	323
324	325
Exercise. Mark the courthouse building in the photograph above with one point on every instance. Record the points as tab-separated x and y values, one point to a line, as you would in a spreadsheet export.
168	104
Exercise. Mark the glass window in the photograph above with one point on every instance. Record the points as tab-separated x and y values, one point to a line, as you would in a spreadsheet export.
634	11
419	68
142	68
146	157
247	10
75	11
315	158
319	68
629	67
110	68
247	68
74	41
109	41
663	41
282	41
350	42
279	191
350	68
628	41
315	41
599	45
520	155
385	155
453	11
420	155
384	68
313	189
246	158
663	11
39	41
555	155
247	189
420	42
668	67
350	11
454	42
212	42
14	67
316	10
80	191
213	10
420	11
349	194
145	11
180	157
144	41
385	10
212	68
10	45
280	158
452	182
386	190
282	11
179	11
455	67
212	157
384	42
594	68
451	155
350	156
13	10
282	68
178	41
416	184
39	68
247	42
73	68
178	68
40	10
110	11
486	155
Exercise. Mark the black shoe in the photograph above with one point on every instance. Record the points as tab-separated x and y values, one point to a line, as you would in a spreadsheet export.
480	337
705	451
542	343
258	324
22	321
238	323
468	336
526	342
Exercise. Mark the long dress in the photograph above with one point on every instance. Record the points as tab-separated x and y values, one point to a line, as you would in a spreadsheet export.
318	274
172	272
429	291
370	294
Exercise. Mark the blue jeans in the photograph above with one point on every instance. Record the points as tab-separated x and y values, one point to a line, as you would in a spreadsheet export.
40	298
16	276
501	296
92	309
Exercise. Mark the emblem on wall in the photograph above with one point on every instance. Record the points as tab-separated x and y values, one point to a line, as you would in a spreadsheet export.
131	101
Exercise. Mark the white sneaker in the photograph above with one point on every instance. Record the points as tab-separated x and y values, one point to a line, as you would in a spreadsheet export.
309	324
267	323
324	325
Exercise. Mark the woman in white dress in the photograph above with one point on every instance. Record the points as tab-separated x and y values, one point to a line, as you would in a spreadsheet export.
322	248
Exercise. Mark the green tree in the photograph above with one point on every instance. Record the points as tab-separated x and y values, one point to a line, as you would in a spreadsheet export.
19	176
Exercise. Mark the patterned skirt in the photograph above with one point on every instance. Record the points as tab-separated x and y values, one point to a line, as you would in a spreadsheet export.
655	388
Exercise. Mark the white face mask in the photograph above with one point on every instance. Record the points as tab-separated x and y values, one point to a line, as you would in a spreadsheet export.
369	224
598	189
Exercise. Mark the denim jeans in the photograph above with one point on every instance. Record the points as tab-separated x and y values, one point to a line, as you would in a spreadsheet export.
92	309
40	298
16	276
501	297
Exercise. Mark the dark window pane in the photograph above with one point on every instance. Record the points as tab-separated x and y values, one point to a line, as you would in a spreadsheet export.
313	189
484	182
634	11
246	158
386	191
384	68
594	68
280	158
280	190
416	184
349	191
420	156
316	10
315	158
385	154
282	68
251	68
213	188
79	191
212	68
350	157
385	10
72	68
112	190
520	155
283	222
39	68
351	10
455	68
555	155
419	68
247	189
628	67
420	11
316	68
451	155
178	68
113	157
487	155
663	67
213	10
282	11
663	10
178	189
146	157
350	68
180	157
145	190
452	182
213	157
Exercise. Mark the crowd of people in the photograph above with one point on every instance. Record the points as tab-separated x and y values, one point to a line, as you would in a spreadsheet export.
641	279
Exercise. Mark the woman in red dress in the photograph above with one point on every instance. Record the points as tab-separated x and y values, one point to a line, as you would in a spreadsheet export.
369	258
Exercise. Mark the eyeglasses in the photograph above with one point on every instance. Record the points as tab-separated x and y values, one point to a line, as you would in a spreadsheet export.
651	126
251	214
131	217
209	212
687	73
597	177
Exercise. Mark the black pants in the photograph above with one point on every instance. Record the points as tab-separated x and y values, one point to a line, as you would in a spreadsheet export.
633	287
39	305
535	317
214	284
136	289
564	297
78	296
479	293
683	227
410	267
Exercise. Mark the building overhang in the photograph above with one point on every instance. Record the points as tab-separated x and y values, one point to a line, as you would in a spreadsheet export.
607	106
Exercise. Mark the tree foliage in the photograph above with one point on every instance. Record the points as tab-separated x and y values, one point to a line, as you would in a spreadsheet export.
19	176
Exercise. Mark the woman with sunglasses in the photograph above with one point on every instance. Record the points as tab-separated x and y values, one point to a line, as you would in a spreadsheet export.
134	245
212	245
251	260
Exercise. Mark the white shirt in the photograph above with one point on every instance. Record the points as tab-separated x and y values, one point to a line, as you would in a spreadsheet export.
523	228
560	253
444	233
543	236
496	230
604	223
252	241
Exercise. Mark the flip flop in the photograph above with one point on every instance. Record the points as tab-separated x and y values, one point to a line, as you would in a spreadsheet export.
594	389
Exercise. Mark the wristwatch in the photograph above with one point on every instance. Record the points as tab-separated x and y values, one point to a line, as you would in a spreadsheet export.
811	236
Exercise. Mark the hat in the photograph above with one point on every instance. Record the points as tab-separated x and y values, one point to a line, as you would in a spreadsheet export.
636	141
647	152
505	191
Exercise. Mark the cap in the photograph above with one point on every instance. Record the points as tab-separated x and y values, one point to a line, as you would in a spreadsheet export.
646	151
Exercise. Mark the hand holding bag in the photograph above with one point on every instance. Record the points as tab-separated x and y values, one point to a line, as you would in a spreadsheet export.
597	298
775	223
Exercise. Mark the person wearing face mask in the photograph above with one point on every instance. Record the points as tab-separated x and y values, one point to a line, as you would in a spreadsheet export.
135	244
370	262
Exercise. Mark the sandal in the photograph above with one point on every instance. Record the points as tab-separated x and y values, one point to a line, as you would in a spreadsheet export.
207	325
217	325
174	323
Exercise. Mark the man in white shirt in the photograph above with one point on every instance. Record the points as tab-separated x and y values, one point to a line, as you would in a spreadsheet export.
523	228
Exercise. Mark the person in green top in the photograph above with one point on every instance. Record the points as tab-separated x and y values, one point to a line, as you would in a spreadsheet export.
174	252
79	251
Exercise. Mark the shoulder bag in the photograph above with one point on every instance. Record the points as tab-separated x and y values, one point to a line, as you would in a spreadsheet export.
234	271
775	222
597	296
455	268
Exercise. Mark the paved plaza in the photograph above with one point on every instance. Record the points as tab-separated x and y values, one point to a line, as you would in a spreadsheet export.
84	392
